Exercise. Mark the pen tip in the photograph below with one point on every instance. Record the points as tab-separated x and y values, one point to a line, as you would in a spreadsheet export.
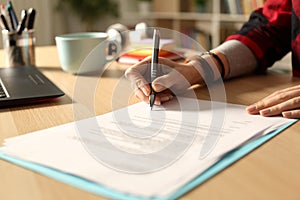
151	100
151	106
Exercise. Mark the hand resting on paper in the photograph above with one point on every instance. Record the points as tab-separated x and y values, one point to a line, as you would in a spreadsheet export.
285	102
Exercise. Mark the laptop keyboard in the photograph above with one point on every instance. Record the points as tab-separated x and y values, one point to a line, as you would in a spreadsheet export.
2	91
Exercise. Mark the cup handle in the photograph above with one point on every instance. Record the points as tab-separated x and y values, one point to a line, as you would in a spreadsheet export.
113	50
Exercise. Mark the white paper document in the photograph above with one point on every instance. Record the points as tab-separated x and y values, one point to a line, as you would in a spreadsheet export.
141	152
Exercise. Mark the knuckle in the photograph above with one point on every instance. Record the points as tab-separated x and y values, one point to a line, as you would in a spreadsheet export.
132	73
134	86
137	96
148	58
296	100
277	108
296	113
140	83
282	96
128	72
260	104
277	92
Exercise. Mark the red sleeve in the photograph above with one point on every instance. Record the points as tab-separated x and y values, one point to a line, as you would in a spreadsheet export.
267	32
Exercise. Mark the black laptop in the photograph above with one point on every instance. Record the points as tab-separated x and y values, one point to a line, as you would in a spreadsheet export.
25	85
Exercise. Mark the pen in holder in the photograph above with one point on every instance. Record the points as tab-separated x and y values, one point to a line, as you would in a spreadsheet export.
19	48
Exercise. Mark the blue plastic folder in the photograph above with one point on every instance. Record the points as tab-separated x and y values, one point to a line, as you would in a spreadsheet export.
96	188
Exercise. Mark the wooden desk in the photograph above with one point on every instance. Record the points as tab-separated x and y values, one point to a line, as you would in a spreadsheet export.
270	172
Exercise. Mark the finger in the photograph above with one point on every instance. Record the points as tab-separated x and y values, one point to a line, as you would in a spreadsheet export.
158	99
289	89
252	109
281	107
292	114
163	82
143	66
140	67
136	75
168	80
168	77
158	85
145	61
164	97
274	99
285	94
141	96
141	84
185	74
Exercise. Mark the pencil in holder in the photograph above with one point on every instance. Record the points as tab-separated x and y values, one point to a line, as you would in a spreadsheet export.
19	48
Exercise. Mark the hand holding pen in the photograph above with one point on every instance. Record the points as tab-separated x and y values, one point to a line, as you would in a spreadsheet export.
168	79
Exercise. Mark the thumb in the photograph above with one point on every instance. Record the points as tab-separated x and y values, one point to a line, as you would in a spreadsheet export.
166	81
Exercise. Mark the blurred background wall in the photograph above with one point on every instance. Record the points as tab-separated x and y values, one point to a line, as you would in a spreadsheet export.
51	21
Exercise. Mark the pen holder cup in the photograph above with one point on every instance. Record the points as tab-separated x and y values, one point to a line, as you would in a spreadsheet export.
19	48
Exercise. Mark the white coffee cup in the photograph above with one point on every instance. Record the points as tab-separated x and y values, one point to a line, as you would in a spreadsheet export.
74	50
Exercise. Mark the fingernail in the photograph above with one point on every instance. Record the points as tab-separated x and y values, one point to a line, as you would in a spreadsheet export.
158	88
156	102
251	108
165	98
265	112
145	90
287	114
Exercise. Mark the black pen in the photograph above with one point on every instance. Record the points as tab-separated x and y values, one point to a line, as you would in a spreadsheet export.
11	17
154	63
21	25
5	24
13	14
31	18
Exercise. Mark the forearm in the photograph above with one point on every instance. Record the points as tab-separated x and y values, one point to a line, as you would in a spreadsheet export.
239	57
230	59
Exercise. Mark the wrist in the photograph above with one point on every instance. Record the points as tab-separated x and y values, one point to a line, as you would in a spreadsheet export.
212	64
215	64
204	67
221	62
